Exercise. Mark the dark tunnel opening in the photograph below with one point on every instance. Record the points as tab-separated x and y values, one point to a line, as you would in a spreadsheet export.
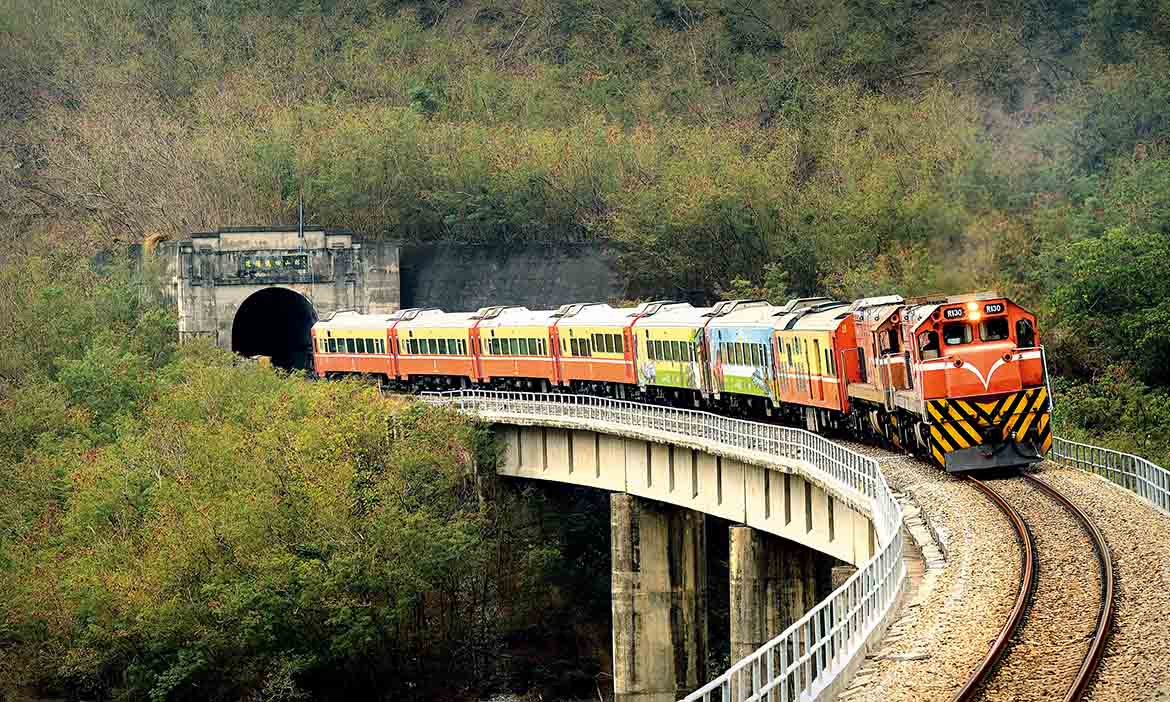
275	322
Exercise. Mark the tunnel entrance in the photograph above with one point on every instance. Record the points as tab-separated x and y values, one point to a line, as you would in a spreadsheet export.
275	322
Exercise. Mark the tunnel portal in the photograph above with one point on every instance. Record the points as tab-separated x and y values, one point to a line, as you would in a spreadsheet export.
275	322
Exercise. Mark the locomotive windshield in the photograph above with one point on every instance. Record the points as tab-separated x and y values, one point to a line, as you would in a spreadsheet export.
956	333
994	329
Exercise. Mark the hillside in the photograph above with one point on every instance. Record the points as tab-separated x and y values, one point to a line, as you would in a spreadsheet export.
794	146
159	539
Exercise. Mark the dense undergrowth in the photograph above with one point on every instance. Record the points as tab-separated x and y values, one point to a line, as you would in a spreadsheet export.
842	147
176	524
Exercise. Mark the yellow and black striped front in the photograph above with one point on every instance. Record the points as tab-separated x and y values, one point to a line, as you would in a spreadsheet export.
1019	418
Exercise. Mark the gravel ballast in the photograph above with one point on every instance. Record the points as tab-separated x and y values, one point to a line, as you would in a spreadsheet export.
960	603
1136	665
1046	652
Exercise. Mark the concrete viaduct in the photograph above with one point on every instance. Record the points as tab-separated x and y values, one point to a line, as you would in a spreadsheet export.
666	469
800	503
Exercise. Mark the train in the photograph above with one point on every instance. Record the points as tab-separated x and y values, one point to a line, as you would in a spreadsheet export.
960	380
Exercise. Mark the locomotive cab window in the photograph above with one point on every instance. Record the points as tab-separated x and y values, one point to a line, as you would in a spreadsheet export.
889	340
927	345
994	329
956	334
1025	334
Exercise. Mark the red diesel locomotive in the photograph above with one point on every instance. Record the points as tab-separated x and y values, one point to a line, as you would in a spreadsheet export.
958	379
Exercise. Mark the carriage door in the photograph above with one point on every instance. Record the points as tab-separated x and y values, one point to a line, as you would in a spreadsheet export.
820	380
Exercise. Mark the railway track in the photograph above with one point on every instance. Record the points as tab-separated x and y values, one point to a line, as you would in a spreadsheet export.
1046	649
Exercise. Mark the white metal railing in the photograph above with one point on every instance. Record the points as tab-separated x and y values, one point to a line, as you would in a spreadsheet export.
809	655
1149	481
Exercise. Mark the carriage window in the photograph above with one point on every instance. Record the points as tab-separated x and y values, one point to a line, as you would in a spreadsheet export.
443	346
994	329
788	348
755	349
1025	334
608	343
817	355
957	333
349	346
576	348
432	346
463	346
331	345
514	347
927	345
619	344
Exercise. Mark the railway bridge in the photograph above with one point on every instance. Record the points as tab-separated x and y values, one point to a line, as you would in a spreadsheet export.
800	504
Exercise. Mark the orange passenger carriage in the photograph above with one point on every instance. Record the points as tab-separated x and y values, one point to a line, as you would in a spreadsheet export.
513	347
349	343
816	356
434	348
593	345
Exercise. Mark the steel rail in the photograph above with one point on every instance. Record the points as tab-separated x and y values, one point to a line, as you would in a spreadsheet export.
1027	589
1105	615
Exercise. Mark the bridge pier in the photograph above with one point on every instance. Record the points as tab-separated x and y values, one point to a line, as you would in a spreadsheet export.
659	600
774	582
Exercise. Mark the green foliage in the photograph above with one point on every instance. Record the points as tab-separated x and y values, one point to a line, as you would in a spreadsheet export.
179	524
1113	296
1116	411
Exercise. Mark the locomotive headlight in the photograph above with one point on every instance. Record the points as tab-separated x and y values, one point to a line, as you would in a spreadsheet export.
972	306
975	316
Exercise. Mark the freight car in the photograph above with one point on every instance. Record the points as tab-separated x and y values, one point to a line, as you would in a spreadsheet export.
960	380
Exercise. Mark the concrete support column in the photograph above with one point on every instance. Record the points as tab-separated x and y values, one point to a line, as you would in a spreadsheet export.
798	592
774	582
823	575
659	600
757	571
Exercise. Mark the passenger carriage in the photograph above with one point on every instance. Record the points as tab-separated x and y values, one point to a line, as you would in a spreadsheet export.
514	347
351	343
816	356
594	347
433	348
670	353
740	353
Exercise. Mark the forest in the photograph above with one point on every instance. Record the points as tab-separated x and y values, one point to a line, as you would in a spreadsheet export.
722	147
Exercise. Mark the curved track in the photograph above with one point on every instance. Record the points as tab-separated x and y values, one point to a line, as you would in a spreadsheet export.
1030	560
